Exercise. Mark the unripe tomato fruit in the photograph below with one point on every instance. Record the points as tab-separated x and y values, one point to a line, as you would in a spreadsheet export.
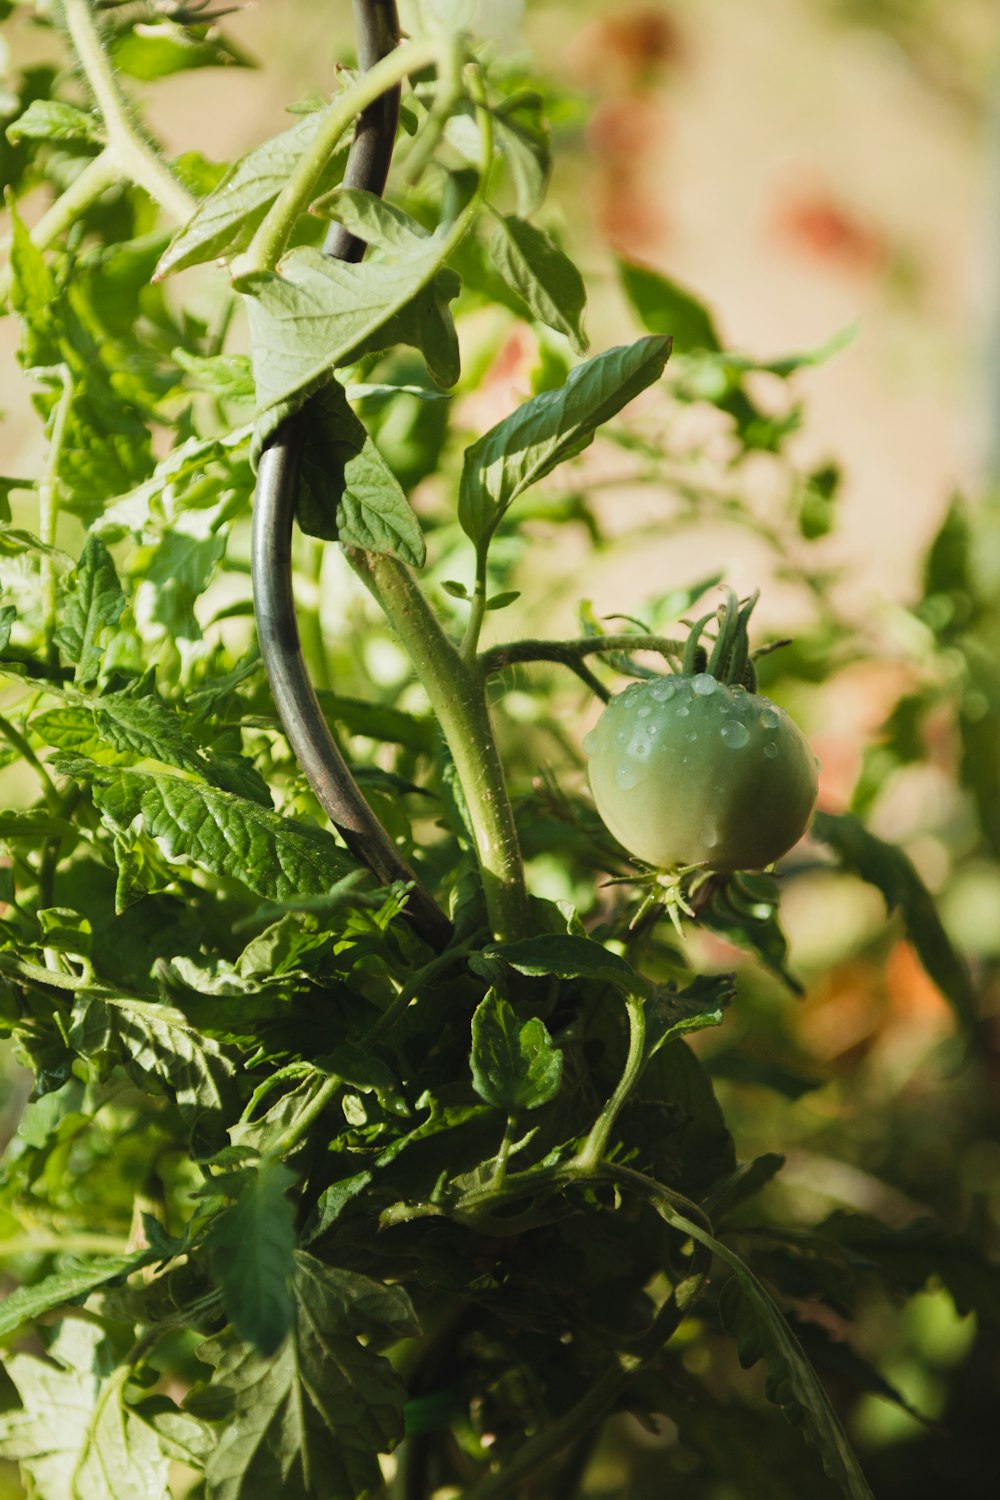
688	770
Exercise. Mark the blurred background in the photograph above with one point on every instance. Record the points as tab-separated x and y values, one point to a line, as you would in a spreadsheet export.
803	167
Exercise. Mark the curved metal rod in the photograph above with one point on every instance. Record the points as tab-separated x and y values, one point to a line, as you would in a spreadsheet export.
274	513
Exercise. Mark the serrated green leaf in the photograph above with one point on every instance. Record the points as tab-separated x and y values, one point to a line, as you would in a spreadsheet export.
570	957
542	275
762	1332
118	729
251	1245
94	602
892	872
159	1050
225	221
309	1422
348	492
75	1435
52	120
29	1302
226	835
549	428
515	1065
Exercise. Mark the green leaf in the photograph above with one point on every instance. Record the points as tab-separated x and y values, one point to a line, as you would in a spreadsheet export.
321	313
33	824
51	120
225	221
892	872
159	1050
309	1422
75	1435
94	601
155	49
570	957
664	307
252	1245
671	1014
514	1064
66	931
29	1302
762	1332
549	428
228	376
533	265
521	135
226	835
118	729
348	492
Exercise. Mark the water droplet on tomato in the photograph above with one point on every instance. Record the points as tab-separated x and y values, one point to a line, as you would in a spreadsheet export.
704	684
770	750
627	776
652	730
682	710
644	712
662	689
735	735
589	743
710	836
769	719
692	736
621	736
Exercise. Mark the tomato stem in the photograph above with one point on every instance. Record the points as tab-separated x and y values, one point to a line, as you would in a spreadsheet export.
591	1154
457	693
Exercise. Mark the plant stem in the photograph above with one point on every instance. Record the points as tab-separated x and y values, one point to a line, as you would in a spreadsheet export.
458	697
570	653
302	1124
503	1155
591	1154
130	154
97	176
266	247
22	745
48	512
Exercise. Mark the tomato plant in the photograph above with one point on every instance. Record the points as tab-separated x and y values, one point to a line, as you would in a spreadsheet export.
358	1143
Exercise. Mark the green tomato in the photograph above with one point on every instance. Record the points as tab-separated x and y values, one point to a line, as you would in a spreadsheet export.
687	770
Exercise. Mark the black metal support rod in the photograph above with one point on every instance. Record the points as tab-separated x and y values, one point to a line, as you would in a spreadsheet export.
274	514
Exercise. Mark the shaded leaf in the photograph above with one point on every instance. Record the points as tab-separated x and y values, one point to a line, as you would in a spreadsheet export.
534	267
893	873
309	1422
570	957
514	1064
251	1245
348	492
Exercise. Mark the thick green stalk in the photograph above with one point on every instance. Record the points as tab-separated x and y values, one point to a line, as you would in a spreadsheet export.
133	157
458	697
48	511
